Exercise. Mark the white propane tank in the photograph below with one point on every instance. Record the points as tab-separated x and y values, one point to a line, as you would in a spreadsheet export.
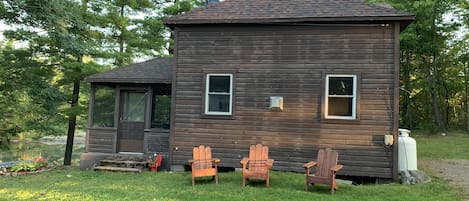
407	151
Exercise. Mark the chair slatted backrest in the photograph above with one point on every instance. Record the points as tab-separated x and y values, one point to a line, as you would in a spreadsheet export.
258	156
202	157
158	160
327	159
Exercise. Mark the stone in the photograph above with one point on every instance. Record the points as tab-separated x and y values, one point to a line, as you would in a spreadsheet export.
420	176
413	177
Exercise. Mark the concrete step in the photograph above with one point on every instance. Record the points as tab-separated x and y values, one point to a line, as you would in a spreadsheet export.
118	169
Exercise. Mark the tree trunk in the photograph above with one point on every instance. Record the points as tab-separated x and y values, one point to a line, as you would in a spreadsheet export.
71	124
434	98
120	58
406	110
432	73
467	95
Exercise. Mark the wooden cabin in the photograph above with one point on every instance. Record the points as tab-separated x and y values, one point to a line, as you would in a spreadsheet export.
129	112
296	75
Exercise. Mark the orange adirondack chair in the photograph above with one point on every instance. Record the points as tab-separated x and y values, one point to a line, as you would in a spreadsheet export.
258	164
326	169
203	165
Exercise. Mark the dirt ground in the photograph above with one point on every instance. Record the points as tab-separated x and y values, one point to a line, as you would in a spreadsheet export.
456	171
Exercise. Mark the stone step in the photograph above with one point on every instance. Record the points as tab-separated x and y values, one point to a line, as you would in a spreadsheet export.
118	169
127	164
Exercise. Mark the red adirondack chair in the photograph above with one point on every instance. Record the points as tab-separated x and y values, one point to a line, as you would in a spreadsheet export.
158	159
258	165
203	164
326	169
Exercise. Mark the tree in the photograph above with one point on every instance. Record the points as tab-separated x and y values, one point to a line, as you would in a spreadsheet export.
64	38
428	69
130	29
27	101
56	32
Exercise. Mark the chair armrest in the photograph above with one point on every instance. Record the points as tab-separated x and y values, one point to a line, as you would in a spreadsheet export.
269	163
244	161
337	168
216	160
310	164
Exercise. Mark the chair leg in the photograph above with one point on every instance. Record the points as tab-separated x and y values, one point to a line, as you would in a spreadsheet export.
216	179
244	181
267	182
307	186
193	181
333	187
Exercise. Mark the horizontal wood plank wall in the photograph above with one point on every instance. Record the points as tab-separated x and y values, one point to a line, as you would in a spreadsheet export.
157	141
286	61
101	140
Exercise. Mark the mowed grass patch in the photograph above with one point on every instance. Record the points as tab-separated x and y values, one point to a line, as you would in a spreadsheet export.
72	184
452	146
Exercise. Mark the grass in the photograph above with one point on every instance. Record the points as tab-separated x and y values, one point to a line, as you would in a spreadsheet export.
72	184
451	146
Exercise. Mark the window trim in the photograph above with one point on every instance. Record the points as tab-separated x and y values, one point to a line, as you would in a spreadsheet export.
207	93
354	97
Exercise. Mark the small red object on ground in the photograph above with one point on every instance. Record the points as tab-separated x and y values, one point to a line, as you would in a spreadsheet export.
158	159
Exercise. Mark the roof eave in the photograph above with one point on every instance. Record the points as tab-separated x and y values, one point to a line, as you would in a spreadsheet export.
407	19
127	80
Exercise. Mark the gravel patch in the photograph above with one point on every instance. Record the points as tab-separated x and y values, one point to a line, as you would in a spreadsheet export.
456	171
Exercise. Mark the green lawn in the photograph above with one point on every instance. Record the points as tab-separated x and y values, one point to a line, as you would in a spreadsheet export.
72	184
452	146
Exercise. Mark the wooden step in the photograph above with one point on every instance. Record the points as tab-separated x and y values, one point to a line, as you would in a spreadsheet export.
118	169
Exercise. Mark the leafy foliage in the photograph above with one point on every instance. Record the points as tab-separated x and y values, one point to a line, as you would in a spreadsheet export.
52	45
433	71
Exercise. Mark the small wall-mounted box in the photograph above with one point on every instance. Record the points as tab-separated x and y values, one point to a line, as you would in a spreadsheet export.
388	140
276	103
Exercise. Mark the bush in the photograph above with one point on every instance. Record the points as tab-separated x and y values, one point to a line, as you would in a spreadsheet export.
24	166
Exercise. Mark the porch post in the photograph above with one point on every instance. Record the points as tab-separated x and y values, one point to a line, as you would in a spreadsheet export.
116	118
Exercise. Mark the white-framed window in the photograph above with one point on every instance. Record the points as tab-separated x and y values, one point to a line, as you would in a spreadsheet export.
219	94
341	97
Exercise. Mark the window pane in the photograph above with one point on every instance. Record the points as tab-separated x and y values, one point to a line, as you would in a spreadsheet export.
134	106
103	108
219	84
219	103
340	85
340	106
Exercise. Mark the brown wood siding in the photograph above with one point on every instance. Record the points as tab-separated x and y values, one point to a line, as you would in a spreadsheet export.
101	140
157	141
286	61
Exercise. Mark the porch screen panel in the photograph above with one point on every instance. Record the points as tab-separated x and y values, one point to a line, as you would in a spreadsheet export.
103	108
161	106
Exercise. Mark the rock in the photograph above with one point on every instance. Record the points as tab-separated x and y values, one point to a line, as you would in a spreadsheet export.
420	176
413	177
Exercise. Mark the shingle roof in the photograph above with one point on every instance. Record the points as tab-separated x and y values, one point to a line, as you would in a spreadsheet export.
157	70
270	11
